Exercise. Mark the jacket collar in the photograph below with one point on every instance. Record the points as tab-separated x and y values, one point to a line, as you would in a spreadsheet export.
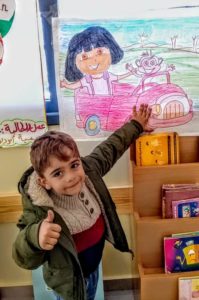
37	193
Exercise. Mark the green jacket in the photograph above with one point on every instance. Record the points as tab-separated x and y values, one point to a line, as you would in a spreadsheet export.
61	268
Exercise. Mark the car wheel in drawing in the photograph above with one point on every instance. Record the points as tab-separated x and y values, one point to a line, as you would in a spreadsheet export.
92	125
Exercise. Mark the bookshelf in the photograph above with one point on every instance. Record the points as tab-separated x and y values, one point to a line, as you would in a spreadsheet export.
150	228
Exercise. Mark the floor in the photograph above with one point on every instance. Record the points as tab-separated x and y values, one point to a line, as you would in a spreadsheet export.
19	294
113	295
114	290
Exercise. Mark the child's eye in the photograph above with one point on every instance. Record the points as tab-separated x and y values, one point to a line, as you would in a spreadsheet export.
99	51
152	62
84	56
75	165
57	174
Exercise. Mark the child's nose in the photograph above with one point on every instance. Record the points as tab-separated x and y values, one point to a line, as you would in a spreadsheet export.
94	59
68	177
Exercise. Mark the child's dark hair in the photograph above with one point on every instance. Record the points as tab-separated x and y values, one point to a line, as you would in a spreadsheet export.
51	143
92	37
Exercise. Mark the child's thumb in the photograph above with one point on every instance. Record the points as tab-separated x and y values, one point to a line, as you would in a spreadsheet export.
50	216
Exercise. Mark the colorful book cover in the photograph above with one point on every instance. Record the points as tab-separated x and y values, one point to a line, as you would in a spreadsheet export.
185	208
188	288
157	149
181	254
175	192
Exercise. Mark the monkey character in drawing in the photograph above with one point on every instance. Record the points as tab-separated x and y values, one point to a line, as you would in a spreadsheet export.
149	64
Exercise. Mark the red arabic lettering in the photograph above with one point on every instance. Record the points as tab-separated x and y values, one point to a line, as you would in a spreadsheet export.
20	126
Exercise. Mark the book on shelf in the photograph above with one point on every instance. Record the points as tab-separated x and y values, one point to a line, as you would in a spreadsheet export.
157	149
181	253
176	192
186	234
188	288
185	208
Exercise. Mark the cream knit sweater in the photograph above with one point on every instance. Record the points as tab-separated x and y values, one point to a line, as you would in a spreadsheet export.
79	212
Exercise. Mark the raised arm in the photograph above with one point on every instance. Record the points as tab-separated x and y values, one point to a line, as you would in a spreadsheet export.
105	155
122	76
71	86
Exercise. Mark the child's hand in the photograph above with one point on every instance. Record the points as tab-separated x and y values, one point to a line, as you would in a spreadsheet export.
142	116
130	68
63	83
49	232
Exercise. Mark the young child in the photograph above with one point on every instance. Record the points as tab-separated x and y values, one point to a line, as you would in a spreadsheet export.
68	212
90	54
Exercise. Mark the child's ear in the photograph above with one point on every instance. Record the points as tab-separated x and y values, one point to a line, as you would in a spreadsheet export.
42	181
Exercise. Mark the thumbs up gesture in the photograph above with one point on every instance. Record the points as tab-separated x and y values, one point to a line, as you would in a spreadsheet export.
49	232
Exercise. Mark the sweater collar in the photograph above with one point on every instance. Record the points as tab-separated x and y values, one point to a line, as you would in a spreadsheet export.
41	197
37	193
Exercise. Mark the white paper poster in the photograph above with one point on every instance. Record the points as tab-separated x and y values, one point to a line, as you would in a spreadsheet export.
107	67
22	114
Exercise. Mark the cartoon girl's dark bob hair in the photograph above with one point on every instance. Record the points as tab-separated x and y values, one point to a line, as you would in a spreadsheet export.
92	37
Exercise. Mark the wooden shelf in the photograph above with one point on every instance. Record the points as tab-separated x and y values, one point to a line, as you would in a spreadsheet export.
157	285
157	272
151	228
11	207
150	232
148	182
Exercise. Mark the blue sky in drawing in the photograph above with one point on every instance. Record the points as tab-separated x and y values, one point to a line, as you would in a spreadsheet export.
127	32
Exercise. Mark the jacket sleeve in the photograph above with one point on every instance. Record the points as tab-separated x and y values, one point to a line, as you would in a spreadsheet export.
26	250
105	155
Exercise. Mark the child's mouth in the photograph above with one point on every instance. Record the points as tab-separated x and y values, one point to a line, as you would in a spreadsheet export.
73	185
93	67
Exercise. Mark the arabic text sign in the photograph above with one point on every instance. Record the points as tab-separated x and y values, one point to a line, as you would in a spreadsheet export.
20	132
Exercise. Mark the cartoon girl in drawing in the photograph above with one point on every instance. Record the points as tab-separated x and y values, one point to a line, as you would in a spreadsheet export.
89	56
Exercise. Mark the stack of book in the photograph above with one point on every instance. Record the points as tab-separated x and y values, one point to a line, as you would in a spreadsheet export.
157	149
180	200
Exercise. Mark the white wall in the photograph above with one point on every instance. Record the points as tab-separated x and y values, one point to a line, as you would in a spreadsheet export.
20	72
90	9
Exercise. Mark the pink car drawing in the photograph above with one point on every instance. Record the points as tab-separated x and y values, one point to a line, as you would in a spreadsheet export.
170	105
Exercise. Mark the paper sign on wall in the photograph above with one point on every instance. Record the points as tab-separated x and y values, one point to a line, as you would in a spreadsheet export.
22	114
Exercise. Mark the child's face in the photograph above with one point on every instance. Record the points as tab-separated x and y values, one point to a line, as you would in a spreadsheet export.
64	177
94	62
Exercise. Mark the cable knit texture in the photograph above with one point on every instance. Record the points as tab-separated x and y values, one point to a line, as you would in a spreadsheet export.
41	197
79	212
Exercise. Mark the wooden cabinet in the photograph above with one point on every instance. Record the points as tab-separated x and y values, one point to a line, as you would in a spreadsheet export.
151	228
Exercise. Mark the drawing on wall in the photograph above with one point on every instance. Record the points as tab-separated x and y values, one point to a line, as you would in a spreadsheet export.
7	13
22	113
107	67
